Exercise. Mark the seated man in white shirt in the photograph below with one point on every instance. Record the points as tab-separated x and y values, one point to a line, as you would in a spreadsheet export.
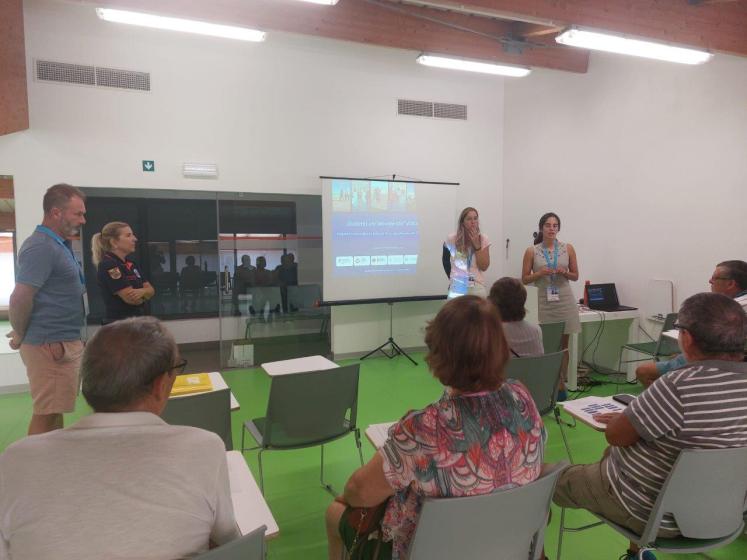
729	279
120	483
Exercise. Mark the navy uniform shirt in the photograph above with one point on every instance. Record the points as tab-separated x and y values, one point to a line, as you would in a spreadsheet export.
114	275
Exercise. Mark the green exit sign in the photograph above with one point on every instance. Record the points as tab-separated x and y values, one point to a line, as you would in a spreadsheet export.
149	165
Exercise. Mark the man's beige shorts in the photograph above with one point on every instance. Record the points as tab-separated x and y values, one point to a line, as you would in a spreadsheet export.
52	369
587	487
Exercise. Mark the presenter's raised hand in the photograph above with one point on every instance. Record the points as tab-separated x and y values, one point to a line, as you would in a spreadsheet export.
474	238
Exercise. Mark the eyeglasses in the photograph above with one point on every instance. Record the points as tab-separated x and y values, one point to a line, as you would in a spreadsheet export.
679	327
714	278
179	368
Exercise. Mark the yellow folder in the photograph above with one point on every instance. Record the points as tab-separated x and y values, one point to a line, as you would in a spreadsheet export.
191	383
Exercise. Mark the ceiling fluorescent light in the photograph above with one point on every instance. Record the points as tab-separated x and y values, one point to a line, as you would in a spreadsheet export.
595	40
178	24
325	2
473	66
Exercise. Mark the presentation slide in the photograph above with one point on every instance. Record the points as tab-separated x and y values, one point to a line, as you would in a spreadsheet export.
383	239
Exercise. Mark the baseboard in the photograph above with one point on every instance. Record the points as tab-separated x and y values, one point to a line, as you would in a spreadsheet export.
9	389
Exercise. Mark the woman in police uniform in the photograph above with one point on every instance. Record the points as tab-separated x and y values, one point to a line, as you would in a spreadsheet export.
123	288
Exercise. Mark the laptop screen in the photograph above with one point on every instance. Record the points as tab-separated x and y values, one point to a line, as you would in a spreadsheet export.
602	296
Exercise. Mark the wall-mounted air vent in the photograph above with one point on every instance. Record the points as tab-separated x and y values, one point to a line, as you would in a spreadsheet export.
63	72
80	74
431	109
450	111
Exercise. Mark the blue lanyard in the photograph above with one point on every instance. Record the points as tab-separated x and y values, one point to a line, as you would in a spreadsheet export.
554	264
57	239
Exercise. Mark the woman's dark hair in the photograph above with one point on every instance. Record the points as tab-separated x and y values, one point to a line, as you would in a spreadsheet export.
509	296
538	234
467	349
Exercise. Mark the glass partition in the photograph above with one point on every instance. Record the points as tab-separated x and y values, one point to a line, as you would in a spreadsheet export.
237	276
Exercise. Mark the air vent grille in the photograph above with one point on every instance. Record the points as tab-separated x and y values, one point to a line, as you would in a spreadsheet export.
100	76
431	109
126	79
415	108
63	72
450	111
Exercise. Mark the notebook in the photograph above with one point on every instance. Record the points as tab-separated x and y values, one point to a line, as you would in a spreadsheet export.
191	383
603	297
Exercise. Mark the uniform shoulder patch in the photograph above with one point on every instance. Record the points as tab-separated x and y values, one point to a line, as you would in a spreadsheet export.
115	273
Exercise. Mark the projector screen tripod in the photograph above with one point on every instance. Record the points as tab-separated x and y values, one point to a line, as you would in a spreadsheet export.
396	349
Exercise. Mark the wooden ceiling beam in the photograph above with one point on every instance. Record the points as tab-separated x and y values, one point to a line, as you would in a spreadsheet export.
373	22
14	106
717	26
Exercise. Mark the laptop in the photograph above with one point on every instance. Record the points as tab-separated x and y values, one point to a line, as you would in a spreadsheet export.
603	297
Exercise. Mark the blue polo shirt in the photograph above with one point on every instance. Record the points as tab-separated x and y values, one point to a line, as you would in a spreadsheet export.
47	263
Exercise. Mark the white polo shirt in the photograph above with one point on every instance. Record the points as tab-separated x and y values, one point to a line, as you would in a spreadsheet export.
115	485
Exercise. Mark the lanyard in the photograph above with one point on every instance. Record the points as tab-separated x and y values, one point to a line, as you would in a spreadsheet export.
554	264
57	239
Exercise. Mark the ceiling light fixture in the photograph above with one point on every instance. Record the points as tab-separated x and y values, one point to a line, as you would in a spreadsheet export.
473	66
325	2
178	24
620	44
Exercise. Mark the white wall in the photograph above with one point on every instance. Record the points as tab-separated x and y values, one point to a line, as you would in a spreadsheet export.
645	162
273	116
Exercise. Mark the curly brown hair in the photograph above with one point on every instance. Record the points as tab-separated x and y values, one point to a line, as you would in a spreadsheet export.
467	349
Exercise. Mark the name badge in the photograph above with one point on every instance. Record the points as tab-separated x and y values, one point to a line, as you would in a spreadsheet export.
471	281
553	294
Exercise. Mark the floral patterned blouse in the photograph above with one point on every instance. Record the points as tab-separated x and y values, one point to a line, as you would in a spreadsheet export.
461	445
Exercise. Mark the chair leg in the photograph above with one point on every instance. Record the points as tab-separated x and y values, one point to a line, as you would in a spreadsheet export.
326	486
560	422
261	475
243	433
357	434
560	532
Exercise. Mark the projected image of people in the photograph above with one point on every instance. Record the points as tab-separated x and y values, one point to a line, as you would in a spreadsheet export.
341	195
379	235
361	195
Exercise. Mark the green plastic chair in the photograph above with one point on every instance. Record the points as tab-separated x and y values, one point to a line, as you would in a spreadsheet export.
706	492
552	336
249	547
541	375
210	411
506	524
306	410
664	346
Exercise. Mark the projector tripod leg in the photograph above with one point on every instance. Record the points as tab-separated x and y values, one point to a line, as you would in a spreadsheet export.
396	348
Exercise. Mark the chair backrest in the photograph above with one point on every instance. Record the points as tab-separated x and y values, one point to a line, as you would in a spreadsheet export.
506	524
249	547
706	491
539	374
552	336
210	411
311	408
305	296
666	345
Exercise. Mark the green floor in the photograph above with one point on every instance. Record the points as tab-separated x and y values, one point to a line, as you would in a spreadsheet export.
388	388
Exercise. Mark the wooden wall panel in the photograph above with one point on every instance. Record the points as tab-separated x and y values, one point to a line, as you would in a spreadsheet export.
14	106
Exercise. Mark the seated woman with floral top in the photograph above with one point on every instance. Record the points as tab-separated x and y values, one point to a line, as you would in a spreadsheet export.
484	434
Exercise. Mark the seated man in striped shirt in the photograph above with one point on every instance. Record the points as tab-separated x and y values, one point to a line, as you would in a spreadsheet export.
682	410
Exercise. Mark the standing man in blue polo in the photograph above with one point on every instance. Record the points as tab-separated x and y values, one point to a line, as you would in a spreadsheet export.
46	308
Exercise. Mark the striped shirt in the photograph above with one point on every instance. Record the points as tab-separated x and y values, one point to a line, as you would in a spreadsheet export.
703	406
524	338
